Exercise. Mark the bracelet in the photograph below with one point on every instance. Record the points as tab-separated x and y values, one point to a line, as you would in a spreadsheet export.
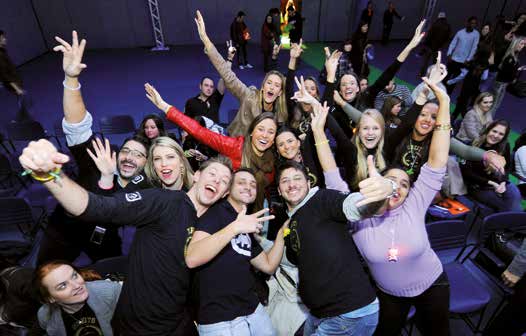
70	88
52	175
442	127
321	143
394	185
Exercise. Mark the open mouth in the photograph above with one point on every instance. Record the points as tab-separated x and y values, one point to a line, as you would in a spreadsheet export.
210	191
269	95
425	126
127	166
166	173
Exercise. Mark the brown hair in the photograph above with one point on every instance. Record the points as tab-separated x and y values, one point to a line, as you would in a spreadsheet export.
280	104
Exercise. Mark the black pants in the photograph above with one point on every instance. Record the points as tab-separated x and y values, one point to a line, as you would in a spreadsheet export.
432	310
266	61
453	70
511	320
386	33
242	54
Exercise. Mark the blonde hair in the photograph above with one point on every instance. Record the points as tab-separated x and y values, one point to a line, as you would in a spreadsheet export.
485	118
280	104
361	151
186	170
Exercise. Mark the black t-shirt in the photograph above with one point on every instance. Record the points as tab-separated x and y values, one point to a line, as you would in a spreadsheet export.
226	283
210	108
412	155
155	291
332	280
82	323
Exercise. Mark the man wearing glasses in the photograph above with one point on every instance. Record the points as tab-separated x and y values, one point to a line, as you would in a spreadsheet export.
99	171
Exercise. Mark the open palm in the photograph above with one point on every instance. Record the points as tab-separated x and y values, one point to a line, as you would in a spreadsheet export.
72	55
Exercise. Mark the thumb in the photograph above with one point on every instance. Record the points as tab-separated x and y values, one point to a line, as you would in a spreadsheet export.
243	210
60	158
371	168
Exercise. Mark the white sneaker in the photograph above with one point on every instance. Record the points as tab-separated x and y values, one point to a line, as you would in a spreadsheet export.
241	67
248	65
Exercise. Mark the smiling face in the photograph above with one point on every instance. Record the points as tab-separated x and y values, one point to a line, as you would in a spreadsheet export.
402	180
485	104
168	166
131	159
150	129
520	46
263	135
271	88
207	87
349	88
65	286
425	123
288	145
347	47
211	183
311	88
243	189
370	132
496	135
293	186
485	30
396	109
364	83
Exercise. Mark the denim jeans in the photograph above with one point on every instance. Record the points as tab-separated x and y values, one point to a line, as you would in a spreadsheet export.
510	200
256	324
341	325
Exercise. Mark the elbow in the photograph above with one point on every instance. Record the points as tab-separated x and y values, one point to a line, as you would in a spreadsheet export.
192	261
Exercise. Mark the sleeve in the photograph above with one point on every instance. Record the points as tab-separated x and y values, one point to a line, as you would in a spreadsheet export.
210	222
384	79
332	205
407	96
221	143
334	181
425	188
232	83
396	136
397	15
466	152
416	91
218	98
352	112
520	161
453	44
518	265
350	209
472	176
471	125
78	133
473	47
139	208
328	94
289	91
256	248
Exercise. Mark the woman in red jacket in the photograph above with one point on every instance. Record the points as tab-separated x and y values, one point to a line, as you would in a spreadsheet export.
255	154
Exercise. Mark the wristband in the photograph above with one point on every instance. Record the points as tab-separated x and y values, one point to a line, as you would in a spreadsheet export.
70	88
52	175
442	127
286	232
321	143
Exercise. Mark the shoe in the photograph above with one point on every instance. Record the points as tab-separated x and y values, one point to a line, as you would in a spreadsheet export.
241	67
248	65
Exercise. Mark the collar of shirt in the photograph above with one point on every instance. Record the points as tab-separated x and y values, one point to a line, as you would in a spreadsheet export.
309	195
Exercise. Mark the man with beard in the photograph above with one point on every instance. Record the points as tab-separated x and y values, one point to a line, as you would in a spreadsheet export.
154	295
208	101
223	250
63	239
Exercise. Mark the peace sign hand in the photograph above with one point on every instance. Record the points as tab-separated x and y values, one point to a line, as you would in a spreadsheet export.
250	223
302	96
319	116
231	50
376	187
72	55
296	50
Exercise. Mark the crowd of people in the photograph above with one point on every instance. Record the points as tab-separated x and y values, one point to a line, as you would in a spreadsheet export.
306	214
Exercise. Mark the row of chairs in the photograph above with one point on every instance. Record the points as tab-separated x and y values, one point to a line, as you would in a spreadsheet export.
468	295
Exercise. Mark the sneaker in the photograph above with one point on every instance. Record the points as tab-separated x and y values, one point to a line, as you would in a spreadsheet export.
241	67
248	65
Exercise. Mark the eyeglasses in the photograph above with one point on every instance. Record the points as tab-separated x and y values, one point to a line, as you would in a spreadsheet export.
134	153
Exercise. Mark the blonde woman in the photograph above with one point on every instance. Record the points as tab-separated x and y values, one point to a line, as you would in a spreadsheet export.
167	167
477	118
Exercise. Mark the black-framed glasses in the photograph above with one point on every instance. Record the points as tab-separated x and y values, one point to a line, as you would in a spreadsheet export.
134	153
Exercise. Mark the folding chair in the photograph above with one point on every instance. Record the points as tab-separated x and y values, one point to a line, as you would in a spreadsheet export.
10	181
467	295
119	124
113	265
27	131
486	261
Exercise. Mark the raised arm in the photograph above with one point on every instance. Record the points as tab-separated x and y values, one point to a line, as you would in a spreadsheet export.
352	112
232	83
331	65
415	41
439	149
74	108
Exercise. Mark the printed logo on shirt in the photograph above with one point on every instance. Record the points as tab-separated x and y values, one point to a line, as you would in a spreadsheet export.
242	244
132	197
138	179
189	233
294	237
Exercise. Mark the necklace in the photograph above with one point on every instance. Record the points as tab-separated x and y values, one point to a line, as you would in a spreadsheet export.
392	252
410	171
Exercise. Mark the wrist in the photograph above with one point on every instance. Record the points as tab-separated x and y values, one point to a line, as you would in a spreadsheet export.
106	181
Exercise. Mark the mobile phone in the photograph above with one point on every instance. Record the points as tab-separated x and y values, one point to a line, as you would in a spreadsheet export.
98	235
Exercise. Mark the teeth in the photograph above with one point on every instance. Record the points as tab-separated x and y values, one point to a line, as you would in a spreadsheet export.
211	188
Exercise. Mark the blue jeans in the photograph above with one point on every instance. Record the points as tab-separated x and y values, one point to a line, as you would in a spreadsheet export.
510	200
341	325
256	324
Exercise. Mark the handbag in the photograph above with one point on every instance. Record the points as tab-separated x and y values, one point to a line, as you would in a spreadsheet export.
448	208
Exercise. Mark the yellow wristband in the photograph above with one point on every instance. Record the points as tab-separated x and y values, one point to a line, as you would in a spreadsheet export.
286	232
444	127
321	143
55	174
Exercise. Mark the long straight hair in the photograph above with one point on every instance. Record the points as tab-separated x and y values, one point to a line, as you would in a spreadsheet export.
280	104
511	50
503	144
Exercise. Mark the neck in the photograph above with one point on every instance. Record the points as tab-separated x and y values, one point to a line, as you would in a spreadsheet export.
306	107
256	151
177	185
202	97
73	307
237	205
200	209
123	182
268	106
417	137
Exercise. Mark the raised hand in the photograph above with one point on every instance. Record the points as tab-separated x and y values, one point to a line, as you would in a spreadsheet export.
250	223
72	55
41	157
418	36
331	63
200	23
442	96
319	116
302	96
231	50
155	98
338	99
376	187
104	158
296	50
495	161
275	50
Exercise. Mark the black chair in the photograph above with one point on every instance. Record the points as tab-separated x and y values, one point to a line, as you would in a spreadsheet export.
467	295
119	124
26	131
10	181
113	265
489	263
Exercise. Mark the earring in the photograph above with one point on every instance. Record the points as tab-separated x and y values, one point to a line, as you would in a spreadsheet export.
182	170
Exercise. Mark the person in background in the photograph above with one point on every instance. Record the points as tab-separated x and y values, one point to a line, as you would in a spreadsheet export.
276	22
487	186
360	43
520	162
11	80
296	23
74	305
392	89
476	119
389	15
367	13
240	35
437	36
461	49
268	39
208	101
